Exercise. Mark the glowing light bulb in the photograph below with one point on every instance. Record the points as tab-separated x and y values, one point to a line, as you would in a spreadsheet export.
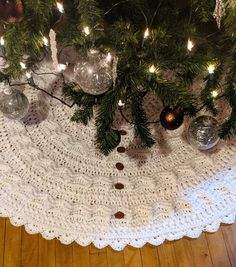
146	33
60	7
28	75
2	41
109	57
90	70
214	94
93	51
190	45
61	67
23	65
86	30
45	41
121	103
152	69
211	68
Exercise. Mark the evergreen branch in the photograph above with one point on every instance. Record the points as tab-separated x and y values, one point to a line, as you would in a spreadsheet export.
140	118
172	94
78	96
106	137
212	83
83	115
228	128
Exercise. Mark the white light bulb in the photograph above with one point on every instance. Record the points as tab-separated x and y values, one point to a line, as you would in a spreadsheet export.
109	57
23	65
93	51
146	33
211	68
45	41
86	30
61	67
2	41
90	70
60	7
152	69
28	75
214	94
190	45
121	103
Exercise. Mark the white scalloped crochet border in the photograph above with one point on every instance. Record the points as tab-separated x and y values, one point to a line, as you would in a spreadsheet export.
120	244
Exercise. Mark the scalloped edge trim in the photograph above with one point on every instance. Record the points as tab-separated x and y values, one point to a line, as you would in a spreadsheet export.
120	244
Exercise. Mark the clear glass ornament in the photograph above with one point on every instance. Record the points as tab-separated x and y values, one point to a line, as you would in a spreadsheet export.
13	104
203	133
94	73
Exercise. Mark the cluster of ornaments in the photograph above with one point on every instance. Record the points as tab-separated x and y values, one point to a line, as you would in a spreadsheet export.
95	74
202	132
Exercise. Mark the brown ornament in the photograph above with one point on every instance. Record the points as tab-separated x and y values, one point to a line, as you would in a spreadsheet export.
11	11
171	119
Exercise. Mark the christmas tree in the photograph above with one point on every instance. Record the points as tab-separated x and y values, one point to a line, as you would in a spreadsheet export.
124	50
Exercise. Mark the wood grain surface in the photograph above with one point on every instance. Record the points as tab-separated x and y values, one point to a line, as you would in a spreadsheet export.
19	249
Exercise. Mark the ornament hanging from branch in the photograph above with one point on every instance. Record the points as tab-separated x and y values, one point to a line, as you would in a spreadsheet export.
171	118
94	72
219	12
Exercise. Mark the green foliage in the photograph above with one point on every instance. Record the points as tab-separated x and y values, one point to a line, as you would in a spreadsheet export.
140	119
119	27
212	83
228	128
83	115
106	136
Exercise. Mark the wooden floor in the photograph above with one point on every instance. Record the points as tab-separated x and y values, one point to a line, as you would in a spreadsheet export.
18	249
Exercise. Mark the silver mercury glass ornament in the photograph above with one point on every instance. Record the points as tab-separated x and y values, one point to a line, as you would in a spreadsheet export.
94	72
203	133
13	104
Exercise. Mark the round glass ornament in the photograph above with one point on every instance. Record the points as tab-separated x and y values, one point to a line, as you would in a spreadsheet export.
203	132
94	73
14	104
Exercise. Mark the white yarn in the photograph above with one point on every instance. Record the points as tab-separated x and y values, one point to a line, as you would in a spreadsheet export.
54	181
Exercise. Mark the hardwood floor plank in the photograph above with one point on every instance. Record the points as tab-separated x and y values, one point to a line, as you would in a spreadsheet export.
98	259
18	249
183	253
166	255
47	252
2	240
218	249
29	250
12	253
149	256
132	257
115	258
93	249
200	252
80	256
229	234
64	254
